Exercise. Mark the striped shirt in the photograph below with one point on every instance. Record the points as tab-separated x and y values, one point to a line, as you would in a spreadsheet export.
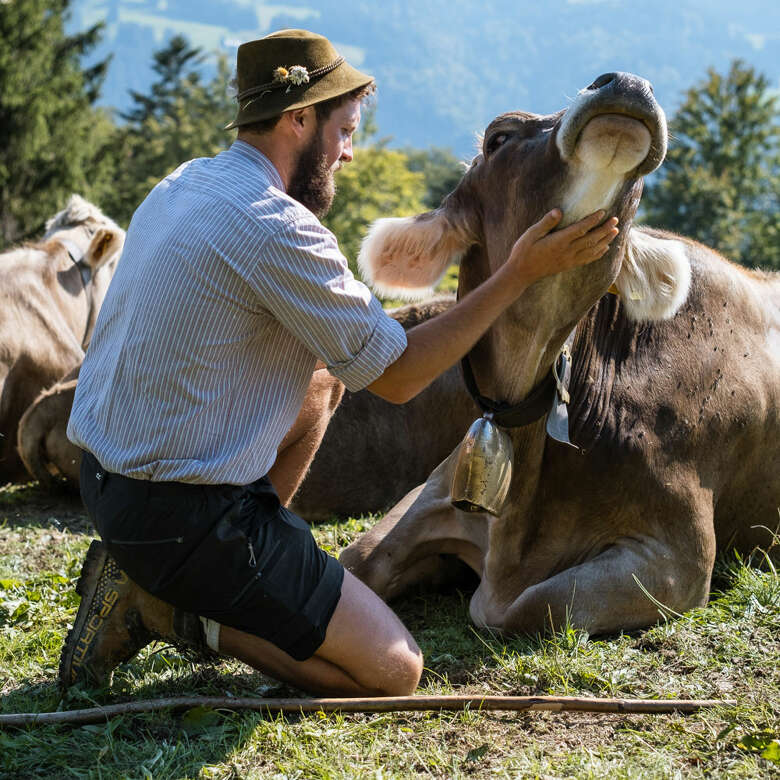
227	292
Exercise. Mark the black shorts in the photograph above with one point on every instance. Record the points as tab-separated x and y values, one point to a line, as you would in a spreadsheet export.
226	552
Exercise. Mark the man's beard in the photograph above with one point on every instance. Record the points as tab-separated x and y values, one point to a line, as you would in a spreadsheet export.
312	181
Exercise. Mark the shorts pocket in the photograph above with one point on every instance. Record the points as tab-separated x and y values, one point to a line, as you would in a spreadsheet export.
262	545
254	585
172	540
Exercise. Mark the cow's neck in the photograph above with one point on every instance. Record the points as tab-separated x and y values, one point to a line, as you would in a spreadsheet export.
65	286
518	351
588	191
67	249
509	538
503	371
605	339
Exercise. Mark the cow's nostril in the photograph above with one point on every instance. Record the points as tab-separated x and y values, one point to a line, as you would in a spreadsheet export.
602	81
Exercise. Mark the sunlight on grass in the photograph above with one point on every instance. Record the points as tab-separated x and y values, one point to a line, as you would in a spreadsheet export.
728	649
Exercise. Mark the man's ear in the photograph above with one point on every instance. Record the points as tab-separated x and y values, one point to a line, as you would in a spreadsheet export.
655	276
405	257
298	120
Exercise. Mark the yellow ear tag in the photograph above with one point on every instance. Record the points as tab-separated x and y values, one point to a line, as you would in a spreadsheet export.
614	290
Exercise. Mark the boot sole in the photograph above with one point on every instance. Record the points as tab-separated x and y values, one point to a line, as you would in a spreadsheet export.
86	587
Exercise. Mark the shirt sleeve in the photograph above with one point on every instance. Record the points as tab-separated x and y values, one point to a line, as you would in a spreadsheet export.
303	280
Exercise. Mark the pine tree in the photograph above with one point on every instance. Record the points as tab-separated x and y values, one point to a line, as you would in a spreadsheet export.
720	183
181	118
442	171
174	67
52	140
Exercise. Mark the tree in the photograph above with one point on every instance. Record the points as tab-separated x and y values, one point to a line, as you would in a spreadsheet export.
720	183
173	64
376	184
381	182
52	141
181	118
441	169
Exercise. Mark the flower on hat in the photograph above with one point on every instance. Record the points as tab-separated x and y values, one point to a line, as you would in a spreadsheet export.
294	77
298	75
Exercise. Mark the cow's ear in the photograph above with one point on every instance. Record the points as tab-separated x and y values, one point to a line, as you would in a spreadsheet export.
655	276
404	257
105	244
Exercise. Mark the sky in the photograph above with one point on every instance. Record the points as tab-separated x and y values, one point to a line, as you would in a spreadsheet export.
445	68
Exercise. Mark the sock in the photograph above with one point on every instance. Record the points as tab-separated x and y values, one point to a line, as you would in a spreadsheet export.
211	629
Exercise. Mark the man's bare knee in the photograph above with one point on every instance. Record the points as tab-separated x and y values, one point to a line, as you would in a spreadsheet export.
403	670
366	639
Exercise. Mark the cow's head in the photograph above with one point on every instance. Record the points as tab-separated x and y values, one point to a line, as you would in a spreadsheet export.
81	223
94	243
592	155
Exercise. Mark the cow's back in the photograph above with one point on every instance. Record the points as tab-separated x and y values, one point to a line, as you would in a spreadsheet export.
693	401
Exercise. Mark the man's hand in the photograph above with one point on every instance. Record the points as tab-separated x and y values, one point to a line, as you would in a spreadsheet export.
538	252
433	346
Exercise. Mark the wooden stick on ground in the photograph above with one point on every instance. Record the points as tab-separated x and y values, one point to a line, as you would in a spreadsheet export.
379	704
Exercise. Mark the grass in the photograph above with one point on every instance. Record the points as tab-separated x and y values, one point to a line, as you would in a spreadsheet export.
728	649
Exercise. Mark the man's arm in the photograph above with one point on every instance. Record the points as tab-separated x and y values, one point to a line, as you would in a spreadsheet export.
435	345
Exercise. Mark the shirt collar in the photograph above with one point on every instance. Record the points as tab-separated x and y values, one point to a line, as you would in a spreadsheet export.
249	152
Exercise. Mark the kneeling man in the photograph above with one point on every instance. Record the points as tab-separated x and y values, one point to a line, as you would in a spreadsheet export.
228	294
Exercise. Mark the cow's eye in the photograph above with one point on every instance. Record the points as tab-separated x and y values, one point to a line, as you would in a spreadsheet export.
494	142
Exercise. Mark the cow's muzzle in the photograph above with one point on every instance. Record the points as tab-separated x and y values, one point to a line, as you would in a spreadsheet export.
616	93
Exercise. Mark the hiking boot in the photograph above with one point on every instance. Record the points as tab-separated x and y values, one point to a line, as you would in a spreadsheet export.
117	618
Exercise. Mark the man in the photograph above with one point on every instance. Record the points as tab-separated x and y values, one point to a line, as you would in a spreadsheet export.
228	293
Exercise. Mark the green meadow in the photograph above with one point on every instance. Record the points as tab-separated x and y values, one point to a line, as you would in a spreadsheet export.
729	649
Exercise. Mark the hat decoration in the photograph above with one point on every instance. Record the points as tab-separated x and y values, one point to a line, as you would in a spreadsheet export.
294	77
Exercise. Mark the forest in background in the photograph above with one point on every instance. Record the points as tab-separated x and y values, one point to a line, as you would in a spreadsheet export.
720	183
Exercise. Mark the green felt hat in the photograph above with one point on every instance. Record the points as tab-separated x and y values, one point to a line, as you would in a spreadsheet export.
290	69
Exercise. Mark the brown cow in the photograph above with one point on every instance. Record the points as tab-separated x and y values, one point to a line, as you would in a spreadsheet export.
50	293
675	387
42	441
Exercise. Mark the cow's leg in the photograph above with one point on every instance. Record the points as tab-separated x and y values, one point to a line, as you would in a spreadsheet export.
414	543
603	595
301	442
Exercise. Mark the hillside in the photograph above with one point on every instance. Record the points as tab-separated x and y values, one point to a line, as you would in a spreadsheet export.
446	67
